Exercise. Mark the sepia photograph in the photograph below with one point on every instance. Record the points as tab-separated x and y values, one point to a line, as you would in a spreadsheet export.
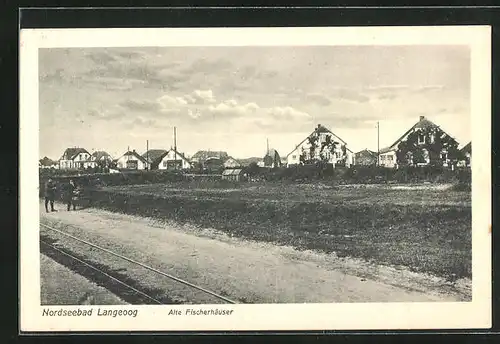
204	178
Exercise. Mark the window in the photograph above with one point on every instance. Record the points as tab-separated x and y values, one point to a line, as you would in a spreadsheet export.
132	164
421	139
433	137
425	154
444	156
389	157
174	164
294	157
165	164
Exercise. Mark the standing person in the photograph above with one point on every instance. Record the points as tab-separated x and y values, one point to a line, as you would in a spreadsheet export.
68	195
50	195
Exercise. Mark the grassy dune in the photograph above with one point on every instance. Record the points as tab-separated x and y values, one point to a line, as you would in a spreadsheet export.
424	230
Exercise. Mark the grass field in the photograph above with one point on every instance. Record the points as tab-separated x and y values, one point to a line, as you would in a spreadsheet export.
426	230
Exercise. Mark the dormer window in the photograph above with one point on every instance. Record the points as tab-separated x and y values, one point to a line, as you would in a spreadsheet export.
421	139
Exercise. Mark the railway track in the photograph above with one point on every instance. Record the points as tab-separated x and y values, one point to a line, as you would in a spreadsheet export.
124	284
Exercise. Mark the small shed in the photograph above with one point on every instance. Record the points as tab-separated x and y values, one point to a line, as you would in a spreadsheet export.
233	174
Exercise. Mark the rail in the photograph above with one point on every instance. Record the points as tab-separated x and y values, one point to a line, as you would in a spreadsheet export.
189	284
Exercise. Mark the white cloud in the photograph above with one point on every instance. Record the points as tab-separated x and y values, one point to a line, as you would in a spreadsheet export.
202	97
194	113
231	102
231	108
287	113
166	102
190	99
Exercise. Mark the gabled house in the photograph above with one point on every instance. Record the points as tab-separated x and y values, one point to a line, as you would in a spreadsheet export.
272	159
102	158
321	145
47	163
173	160
467	152
249	161
154	156
365	157
423	133
213	165
202	156
76	158
231	163
131	160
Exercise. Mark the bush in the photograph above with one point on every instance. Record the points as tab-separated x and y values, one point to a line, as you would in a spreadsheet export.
104	179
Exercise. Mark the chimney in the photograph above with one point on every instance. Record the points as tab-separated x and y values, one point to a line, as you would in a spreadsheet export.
422	118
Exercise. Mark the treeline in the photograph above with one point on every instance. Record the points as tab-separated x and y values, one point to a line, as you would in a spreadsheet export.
296	174
110	179
364	174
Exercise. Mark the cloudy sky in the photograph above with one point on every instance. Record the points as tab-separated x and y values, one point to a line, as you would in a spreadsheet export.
234	98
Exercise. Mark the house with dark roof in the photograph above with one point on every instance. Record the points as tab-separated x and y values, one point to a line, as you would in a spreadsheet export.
101	155
76	158
388	155
102	158
131	160
154	156
321	145
365	157
202	156
173	160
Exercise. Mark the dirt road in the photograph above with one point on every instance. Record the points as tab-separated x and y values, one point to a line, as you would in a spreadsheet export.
246	271
59	285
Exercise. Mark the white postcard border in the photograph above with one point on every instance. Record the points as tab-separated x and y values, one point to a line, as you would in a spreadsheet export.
338	316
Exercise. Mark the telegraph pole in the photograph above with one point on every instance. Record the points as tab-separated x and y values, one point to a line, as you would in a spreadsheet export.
378	143
175	148
147	154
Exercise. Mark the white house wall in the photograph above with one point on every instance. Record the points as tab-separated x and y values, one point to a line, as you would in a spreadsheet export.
66	164
172	156
388	159
122	162
231	163
294	157
82	157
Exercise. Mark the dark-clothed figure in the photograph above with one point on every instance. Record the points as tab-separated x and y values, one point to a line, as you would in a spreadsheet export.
50	195
69	195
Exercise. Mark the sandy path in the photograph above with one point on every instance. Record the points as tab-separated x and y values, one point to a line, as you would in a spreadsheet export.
239	269
61	286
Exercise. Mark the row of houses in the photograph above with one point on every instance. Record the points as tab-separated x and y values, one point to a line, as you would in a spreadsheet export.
77	159
321	144
426	132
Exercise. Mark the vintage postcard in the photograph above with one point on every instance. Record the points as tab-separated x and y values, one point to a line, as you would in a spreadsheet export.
237	179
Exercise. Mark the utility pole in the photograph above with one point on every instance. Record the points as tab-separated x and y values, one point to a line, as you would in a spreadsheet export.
378	143
267	146
147	155
175	148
